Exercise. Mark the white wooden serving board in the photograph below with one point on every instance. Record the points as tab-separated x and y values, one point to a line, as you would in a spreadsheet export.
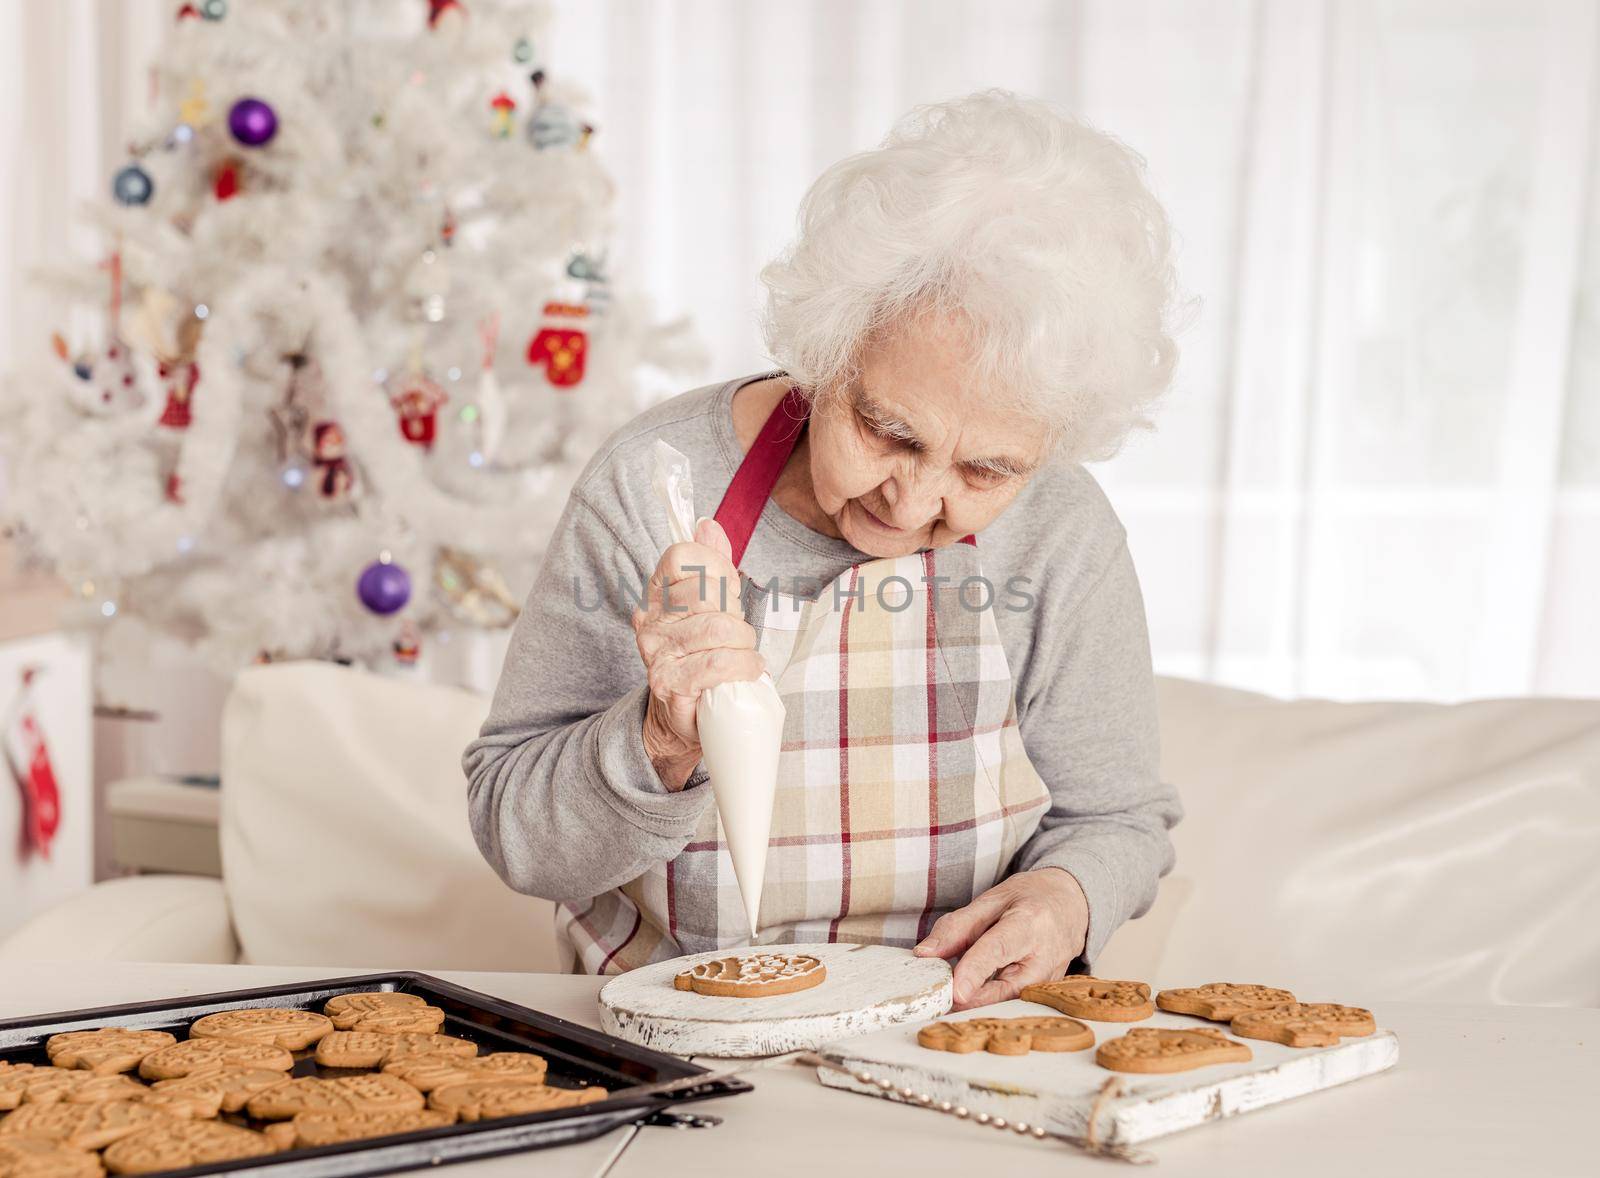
1058	1089
868	987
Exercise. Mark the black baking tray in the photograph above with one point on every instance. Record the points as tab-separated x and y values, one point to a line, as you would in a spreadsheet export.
576	1055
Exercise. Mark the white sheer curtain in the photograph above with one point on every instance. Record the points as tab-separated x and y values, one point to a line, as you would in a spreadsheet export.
1379	472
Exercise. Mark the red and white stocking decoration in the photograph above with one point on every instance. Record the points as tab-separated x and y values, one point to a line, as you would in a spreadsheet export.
561	345
29	758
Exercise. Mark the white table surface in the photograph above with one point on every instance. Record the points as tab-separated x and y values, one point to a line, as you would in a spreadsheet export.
1492	1090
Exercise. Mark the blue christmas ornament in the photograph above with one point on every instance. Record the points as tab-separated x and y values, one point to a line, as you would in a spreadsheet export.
132	186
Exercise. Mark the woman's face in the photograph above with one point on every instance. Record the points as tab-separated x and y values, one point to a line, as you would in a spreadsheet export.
911	457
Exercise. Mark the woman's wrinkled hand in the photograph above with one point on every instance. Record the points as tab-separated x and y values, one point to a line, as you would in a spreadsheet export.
691	636
1026	929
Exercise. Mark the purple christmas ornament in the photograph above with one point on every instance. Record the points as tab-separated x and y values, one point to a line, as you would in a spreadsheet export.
384	587
252	122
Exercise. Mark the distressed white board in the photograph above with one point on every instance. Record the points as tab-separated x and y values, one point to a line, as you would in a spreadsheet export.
868	987
1057	1089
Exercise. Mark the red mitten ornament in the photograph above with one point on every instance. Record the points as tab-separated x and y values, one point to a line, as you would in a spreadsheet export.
561	346
418	404
29	756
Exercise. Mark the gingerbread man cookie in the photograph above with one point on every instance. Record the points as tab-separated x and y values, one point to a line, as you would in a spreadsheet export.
26	1083
292	1030
32	1157
482	1100
436	1070
370	1049
365	1093
174	1144
210	1055
753	975
388	1011
81	1126
106	1051
1007	1036
1169	1049
311	1129
1304	1024
1220	1001
1094	998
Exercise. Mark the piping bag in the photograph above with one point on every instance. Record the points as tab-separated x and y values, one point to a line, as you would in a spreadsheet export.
741	724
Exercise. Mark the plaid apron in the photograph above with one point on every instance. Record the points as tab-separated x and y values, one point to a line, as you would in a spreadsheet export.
903	787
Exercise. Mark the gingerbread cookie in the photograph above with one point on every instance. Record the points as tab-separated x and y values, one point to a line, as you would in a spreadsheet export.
1094	998
370	1049
106	1051
1304	1024
206	1094
312	1129
26	1083
82	1126
386	1011
1007	1036
173	1145
1169	1049
292	1030
372	1093
93	1089
1220	1001
482	1100
753	975
435	1070
32	1157
210	1055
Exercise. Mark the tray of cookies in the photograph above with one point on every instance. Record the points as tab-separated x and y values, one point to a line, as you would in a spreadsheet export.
345	1076
1113	1063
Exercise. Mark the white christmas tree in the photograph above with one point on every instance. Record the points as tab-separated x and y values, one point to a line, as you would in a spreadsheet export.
351	340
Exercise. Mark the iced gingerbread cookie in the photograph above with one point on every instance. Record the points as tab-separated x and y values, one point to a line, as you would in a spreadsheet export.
483	1100
384	1010
106	1051
1094	998
26	1083
31	1157
1304	1024
211	1055
311	1129
292	1030
427	1072
348	1094
753	975
173	1145
81	1126
1169	1049
1007	1036
1220	1001
370	1049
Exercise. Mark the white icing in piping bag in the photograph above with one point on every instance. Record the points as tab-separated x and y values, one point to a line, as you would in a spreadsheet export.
741	724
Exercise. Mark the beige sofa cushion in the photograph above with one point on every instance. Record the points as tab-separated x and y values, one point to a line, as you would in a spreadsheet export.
344	828
1357	852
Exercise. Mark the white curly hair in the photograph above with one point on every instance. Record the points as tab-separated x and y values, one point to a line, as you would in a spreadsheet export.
1035	230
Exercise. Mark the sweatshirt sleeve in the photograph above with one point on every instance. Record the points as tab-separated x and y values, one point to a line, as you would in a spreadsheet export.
1091	732
563	801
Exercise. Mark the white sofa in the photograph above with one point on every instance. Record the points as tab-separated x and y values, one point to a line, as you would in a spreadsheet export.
1349	851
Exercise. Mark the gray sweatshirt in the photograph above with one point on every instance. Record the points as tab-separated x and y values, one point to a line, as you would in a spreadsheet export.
565	804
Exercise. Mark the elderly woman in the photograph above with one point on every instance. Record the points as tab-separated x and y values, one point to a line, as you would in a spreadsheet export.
969	763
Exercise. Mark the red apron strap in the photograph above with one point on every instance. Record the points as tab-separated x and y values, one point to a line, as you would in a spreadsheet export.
752	483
